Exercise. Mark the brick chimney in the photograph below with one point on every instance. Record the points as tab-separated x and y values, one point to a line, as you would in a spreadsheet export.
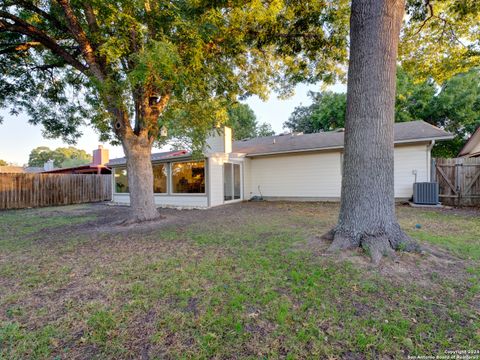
100	156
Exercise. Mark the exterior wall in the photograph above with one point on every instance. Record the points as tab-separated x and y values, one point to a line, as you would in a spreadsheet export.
247	179
313	175
305	177
215	179
317	176
182	201
220	141
408	159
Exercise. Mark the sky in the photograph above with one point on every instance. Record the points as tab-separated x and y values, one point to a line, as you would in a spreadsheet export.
18	137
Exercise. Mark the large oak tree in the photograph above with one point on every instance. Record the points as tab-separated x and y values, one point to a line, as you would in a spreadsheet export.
131	67
134	66
367	213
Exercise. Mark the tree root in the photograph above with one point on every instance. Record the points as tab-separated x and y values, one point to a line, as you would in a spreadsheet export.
377	245
134	220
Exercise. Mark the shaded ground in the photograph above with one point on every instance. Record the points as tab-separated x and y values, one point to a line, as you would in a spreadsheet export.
240	281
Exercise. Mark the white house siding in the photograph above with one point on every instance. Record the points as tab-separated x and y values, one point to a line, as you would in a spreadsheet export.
215	178
247	179
219	141
181	201
410	158
312	175
317	176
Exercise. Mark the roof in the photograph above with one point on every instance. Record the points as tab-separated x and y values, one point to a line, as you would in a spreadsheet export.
472	146
11	169
407	132
20	169
155	157
77	169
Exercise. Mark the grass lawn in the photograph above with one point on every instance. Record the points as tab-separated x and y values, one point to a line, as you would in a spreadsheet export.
241	281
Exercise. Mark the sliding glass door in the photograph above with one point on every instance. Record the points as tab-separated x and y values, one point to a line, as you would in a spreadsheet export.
232	183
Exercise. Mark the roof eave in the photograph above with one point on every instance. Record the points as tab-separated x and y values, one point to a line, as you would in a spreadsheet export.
407	141
466	148
432	138
157	161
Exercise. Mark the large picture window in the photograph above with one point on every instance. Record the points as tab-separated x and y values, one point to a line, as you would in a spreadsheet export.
121	180
188	177
160	179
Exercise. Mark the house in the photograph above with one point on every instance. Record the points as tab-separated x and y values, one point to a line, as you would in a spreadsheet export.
12	169
98	165
472	146
302	167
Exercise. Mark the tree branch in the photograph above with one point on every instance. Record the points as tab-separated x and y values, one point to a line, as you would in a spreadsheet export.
430	7
81	37
53	20
91	18
48	66
19	47
22	27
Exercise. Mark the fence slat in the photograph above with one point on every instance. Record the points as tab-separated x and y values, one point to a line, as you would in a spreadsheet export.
459	181
19	190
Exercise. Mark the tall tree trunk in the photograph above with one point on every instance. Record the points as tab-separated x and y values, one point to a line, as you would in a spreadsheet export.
367	214
138	149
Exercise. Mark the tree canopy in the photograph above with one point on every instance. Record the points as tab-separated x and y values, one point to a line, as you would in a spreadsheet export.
243	121
62	157
327	112
66	63
131	68
265	129
3	163
440	38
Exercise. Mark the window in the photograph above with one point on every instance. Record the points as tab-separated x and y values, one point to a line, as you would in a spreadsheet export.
188	177
160	178
121	180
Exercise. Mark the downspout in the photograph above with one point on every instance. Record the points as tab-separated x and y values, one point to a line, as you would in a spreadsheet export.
431	169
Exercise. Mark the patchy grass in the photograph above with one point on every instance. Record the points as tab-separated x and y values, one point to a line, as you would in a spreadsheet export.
452	229
241	281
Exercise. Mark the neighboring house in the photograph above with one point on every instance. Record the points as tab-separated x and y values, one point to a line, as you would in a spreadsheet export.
10	169
472	146
303	167
98	165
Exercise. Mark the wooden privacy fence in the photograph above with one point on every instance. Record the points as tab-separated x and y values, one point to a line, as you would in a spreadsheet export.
19	191
459	181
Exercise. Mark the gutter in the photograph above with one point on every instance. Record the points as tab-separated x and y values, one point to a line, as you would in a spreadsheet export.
431	174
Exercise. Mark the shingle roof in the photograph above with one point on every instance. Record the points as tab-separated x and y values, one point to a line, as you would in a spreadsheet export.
155	157
413	131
